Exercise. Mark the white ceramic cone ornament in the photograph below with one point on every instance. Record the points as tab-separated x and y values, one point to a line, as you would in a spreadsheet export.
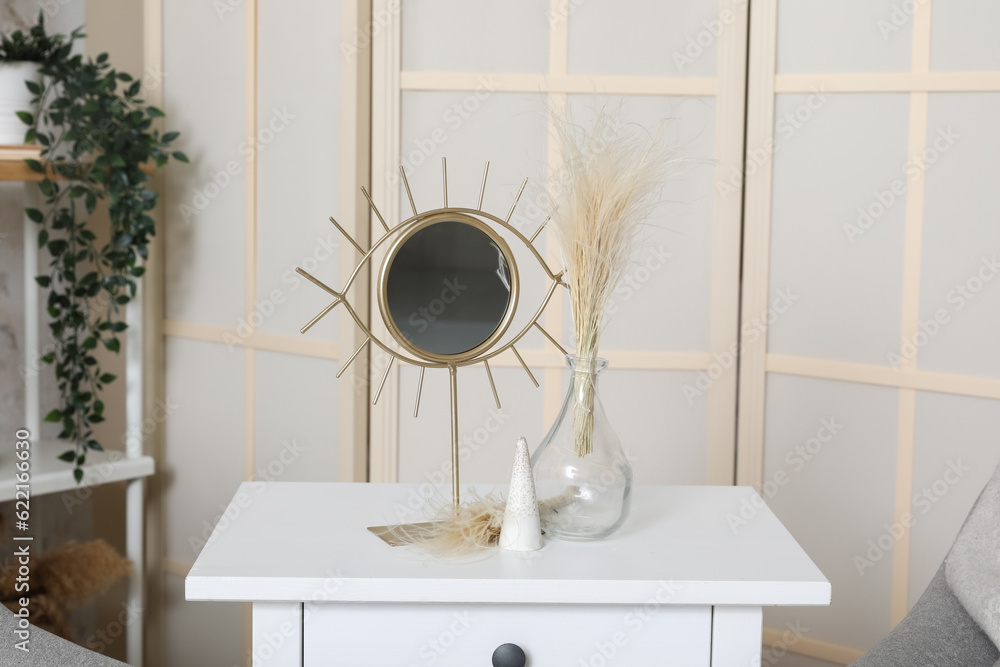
521	529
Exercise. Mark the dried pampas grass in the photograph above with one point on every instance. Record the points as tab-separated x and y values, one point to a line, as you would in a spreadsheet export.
465	531
613	173
455	532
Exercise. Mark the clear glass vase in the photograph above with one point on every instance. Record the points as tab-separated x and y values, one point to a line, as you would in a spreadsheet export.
583	497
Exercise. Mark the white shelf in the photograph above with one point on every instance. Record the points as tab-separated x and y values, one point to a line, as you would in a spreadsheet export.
50	475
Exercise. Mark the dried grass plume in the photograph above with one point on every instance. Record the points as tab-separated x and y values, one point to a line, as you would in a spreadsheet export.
612	174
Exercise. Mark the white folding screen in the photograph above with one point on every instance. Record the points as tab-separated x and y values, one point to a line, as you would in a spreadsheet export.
868	412
270	108
477	82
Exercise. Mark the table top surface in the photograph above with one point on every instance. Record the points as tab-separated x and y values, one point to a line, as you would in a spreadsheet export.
299	541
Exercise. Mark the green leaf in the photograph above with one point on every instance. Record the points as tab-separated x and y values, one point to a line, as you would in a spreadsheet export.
53	417
43	281
118	326
43	238
35	166
26	117
57	247
89	343
122	299
45	186
48	358
77	475
96	446
153	112
180	157
68	456
108	377
112	344
169	136
34	214
33	87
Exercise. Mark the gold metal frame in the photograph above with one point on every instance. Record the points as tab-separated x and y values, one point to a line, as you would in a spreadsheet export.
489	224
423	221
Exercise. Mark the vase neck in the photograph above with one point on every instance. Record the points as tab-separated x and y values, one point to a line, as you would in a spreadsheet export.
592	366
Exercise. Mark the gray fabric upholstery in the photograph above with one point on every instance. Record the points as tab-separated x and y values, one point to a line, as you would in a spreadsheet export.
46	650
936	633
973	565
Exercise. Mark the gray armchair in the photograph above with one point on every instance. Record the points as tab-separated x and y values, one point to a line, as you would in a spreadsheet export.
46	650
939	631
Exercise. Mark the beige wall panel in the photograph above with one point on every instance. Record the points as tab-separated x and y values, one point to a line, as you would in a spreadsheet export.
204	92
834	496
299	163
203	450
845	36
844	296
964	36
960	277
662	433
457	36
644	37
296	418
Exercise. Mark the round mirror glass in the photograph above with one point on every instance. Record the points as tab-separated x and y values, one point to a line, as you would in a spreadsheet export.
448	288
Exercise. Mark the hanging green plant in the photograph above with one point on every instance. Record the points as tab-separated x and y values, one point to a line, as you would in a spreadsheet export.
97	138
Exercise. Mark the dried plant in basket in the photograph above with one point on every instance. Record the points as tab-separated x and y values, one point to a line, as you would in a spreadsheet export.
612	174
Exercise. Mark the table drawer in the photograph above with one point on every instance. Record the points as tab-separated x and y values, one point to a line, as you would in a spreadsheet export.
551	635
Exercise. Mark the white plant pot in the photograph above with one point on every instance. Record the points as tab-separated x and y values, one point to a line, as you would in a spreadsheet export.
14	97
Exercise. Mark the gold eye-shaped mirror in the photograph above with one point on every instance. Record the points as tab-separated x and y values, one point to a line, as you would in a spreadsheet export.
447	289
447	293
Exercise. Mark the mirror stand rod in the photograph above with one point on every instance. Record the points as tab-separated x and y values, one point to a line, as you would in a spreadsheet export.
444	179
482	189
374	208
453	372
489	374
384	378
420	388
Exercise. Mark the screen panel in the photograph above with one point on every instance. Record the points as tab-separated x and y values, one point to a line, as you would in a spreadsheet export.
457	36
841	274
872	329
644	37
846	36
299	159
662	333
960	280
829	447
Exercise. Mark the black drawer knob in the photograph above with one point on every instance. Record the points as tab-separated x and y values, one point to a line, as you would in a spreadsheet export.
508	655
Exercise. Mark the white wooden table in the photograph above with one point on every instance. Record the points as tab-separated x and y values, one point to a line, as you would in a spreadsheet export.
675	586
